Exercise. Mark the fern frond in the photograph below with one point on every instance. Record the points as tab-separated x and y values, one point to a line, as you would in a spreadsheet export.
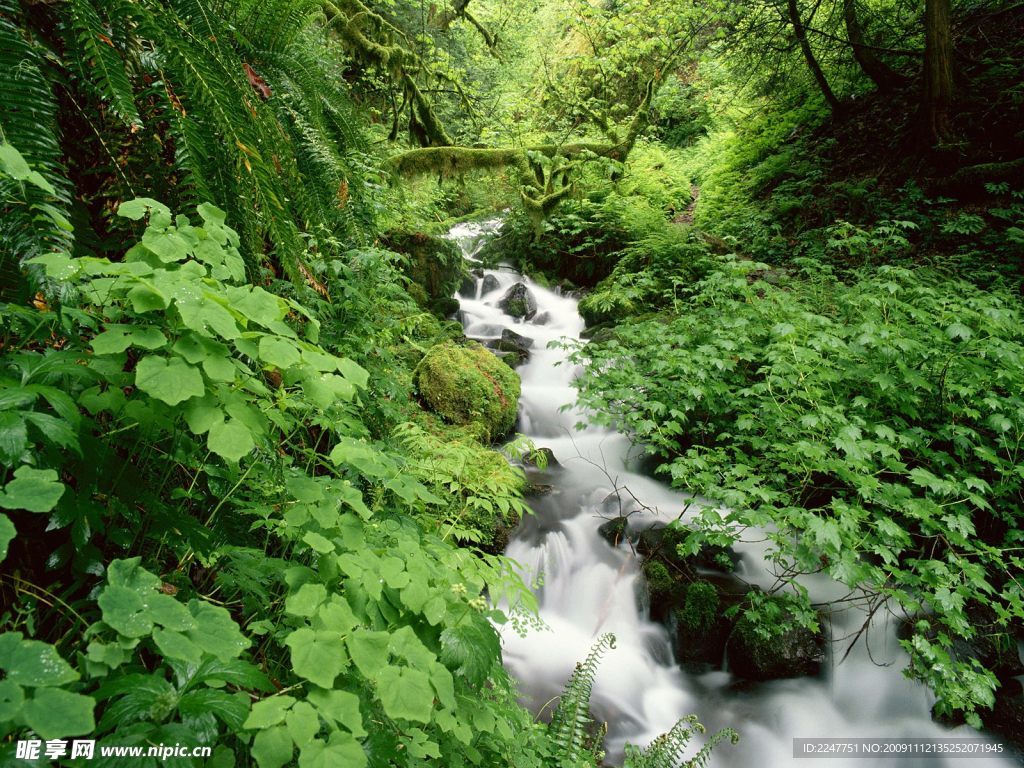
571	721
99	61
33	218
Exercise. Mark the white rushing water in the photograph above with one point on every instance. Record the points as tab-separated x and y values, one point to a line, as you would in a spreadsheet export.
590	588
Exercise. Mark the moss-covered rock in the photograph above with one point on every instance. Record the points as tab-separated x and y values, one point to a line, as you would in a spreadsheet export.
466	384
756	654
701	628
433	264
519	301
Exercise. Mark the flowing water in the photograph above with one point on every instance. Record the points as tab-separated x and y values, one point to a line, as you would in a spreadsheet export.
589	588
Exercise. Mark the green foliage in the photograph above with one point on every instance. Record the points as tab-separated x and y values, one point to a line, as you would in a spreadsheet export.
700	608
485	488
874	425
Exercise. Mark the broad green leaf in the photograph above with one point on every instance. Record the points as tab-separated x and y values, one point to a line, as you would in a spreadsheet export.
34	490
32	663
12	696
269	712
174	645
172	381
125	611
130	573
136	209
279	352
230	440
369	651
117	338
341	750
55	713
302	722
319	543
340	706
13	163
405	693
319	656
272	748
353	372
306	600
202	414
7	535
215	631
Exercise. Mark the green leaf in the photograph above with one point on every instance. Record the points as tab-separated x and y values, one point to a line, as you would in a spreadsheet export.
341	750
230	708
353	372
13	437
306	600
13	163
319	543
405	693
369	651
172	381
174	645
34	490
230	440
269	712
279	352
318	656
117	338
215	631
7	534
125	611
303	723
130	573
136	209
11	698
34	664
201	415
340	706
272	748
55	713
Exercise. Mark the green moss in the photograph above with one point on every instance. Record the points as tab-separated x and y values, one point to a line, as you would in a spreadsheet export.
517	308
700	609
469	385
659	580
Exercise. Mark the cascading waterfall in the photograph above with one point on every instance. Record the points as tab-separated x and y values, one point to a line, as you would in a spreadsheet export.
587	588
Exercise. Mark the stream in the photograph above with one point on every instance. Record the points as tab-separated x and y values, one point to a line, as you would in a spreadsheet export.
589	588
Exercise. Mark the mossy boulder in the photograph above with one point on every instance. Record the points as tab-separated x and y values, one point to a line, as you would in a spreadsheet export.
466	384
433	264
519	301
665	587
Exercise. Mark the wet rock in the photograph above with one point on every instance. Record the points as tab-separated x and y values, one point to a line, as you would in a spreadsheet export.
795	652
1007	715
701	628
516	345
542	458
490	284
614	531
539	489
518	339
468	288
519	301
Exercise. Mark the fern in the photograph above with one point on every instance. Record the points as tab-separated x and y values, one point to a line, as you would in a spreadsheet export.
33	218
99	61
572	727
571	724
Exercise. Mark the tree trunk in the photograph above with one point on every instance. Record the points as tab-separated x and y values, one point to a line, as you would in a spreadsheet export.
812	63
938	68
881	74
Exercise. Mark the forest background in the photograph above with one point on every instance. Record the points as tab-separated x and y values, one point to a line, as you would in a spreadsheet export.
230	518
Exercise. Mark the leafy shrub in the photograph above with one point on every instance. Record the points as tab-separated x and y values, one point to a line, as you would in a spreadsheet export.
873	427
